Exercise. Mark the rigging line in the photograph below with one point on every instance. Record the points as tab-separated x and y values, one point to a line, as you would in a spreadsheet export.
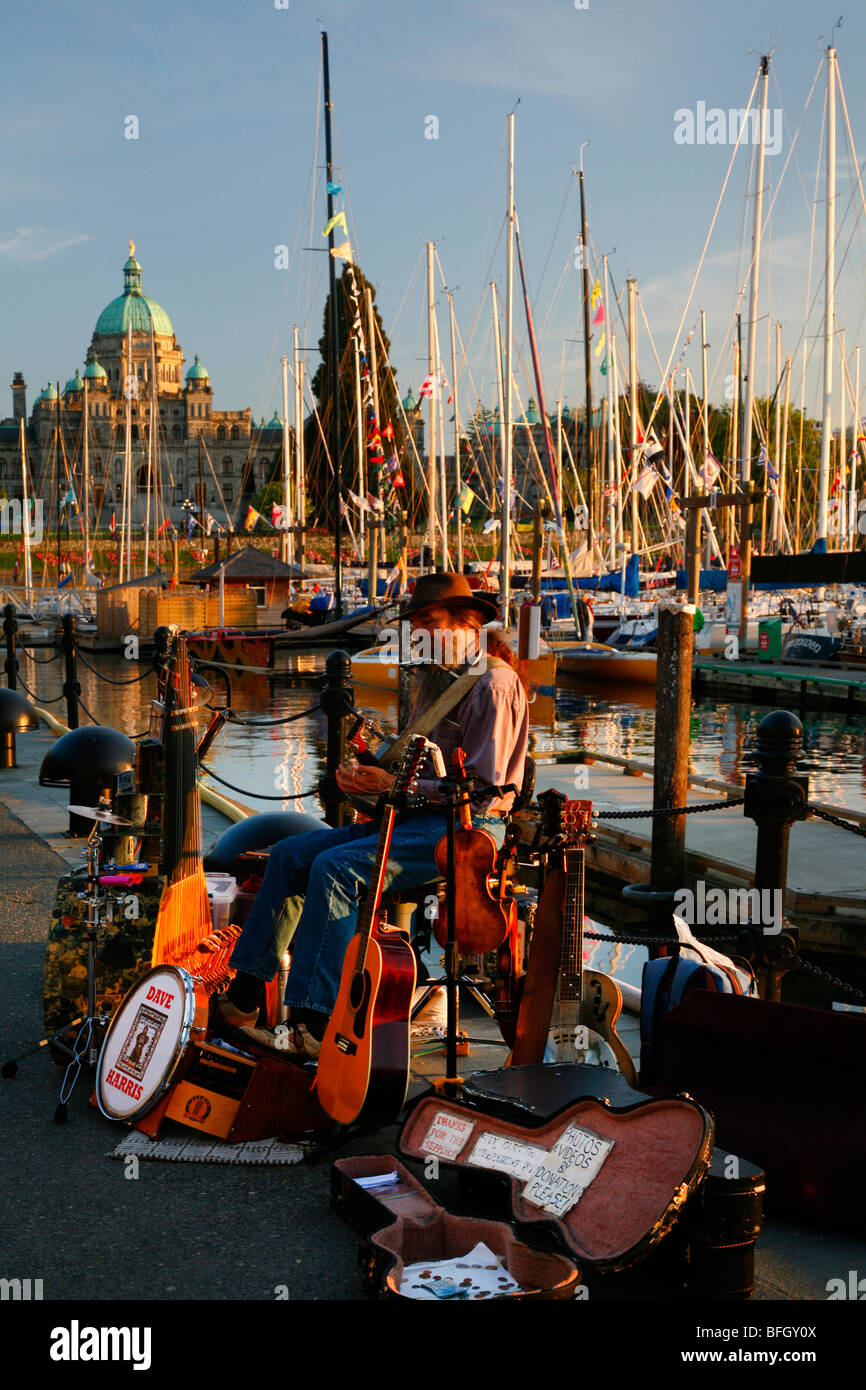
678	334
568	192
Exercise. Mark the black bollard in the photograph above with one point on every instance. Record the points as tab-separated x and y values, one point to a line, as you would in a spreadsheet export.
337	703
71	688
10	627
776	796
670	768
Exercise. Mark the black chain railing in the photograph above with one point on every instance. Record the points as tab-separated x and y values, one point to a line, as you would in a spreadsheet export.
109	680
670	810
838	820
40	700
258	796
42	661
233	718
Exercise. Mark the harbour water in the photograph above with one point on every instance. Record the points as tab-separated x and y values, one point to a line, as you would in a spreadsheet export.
273	766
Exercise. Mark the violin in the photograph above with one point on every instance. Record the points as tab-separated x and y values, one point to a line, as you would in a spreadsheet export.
485	914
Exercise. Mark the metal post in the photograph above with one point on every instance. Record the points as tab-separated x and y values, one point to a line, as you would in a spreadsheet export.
337	703
537	544
776	796
693	552
10	627
71	688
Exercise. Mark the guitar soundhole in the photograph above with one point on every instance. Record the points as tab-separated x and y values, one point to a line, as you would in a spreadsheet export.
357	991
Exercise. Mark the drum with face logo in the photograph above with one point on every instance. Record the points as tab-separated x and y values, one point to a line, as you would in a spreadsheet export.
146	1040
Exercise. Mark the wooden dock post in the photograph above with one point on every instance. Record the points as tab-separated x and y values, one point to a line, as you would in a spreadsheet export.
671	751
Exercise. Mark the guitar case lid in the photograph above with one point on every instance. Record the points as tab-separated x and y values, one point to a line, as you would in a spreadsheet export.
536	1092
661	1151
402	1224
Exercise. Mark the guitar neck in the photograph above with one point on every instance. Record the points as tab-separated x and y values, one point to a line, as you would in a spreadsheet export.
367	915
568	988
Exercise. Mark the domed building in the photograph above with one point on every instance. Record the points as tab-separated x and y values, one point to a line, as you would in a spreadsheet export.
134	351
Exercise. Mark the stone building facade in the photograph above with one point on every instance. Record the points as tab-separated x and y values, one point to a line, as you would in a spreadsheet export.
237	456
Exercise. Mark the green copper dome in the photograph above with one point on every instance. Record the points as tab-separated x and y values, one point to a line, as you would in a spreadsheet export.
274	424
197	372
74	384
409	401
132	309
50	393
94	372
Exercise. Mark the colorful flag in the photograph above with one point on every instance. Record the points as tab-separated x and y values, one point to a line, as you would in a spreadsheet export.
426	387
360	503
764	462
338	220
710	470
343	252
111	525
599	347
334	189
646	481
490	524
595	298
465	497
375	504
599	314
251	518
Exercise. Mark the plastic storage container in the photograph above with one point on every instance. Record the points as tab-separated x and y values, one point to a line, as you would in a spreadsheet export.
222	889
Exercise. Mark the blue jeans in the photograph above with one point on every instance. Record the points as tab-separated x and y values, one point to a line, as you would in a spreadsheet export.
310	897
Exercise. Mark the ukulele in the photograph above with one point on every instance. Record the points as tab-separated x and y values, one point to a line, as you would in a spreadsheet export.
484	915
363	1069
565	1011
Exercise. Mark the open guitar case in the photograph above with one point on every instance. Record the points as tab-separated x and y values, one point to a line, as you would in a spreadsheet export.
659	1220
709	1252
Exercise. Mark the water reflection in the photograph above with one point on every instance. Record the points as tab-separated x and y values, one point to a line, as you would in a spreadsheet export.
288	759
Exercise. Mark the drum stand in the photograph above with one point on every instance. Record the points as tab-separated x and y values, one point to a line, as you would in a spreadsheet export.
84	1048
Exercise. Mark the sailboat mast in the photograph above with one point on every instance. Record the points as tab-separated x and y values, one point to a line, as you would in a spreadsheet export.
334	330
632	396
286	536
359	445
458	481
506	434
855	453
85	501
374	478
591	483
829	284
431	403
25	520
751	361
611	480
299	448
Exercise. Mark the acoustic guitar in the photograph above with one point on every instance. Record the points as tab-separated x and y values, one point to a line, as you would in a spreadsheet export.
565	1010
363	1069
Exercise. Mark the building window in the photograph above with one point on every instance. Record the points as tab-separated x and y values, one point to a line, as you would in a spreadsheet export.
228	492
118	491
236	434
221	431
228	466
177	412
177	432
261	595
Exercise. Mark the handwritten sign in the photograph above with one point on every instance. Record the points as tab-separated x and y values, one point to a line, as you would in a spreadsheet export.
567	1170
447	1135
505	1155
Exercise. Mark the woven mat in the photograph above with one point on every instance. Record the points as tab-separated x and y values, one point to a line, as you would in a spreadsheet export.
199	1148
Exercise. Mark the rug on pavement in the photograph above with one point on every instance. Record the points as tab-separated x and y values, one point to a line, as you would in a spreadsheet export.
199	1148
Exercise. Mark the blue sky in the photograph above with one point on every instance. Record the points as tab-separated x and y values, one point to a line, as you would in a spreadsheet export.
226	97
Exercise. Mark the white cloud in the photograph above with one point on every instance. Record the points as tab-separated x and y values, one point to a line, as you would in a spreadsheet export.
27	245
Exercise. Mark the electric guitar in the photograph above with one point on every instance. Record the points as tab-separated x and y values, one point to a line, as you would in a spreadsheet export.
363	1069
566	1012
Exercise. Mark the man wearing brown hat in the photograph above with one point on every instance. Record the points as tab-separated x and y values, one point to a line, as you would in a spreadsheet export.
310	892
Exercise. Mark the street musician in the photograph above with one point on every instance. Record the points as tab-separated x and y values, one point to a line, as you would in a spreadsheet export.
309	895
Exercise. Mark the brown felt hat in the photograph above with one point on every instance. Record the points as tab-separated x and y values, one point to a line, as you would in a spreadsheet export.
449	590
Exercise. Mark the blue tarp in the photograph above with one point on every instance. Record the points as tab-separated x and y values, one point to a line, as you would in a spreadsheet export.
606	582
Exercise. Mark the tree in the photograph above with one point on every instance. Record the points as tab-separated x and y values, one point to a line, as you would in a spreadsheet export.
319	477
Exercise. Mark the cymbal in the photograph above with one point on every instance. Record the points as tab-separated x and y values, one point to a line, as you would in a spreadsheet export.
97	813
